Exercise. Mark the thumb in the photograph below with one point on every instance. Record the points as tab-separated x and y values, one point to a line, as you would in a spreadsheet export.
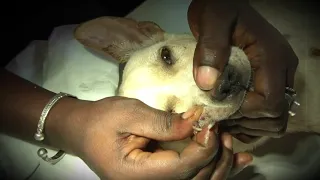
160	125
215	36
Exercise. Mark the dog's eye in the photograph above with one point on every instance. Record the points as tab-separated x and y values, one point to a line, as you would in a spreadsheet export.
166	55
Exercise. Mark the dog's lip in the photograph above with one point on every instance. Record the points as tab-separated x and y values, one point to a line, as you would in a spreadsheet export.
241	86
235	90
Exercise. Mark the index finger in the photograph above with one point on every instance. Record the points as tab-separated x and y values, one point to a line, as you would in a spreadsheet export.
171	164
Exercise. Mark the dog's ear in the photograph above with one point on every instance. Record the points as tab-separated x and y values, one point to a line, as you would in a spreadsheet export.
118	36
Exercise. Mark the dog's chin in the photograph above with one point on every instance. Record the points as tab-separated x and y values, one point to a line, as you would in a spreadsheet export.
218	110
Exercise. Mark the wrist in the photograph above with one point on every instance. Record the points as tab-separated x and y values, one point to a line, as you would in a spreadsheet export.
60	123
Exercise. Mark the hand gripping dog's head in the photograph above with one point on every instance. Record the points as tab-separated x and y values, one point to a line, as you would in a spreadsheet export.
158	67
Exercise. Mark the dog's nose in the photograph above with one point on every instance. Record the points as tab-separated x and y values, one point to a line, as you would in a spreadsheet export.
227	84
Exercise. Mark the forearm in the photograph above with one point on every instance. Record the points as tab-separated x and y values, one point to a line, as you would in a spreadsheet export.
21	105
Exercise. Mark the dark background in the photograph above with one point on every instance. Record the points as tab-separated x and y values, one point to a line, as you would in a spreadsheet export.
23	21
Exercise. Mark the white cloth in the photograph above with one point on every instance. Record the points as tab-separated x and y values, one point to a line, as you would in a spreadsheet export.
61	53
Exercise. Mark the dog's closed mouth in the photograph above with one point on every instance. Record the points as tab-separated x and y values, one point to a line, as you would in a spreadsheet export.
228	84
207	117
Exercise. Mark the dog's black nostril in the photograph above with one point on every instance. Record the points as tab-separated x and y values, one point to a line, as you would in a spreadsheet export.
227	84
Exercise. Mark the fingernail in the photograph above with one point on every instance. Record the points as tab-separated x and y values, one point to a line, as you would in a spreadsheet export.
193	114
188	113
206	77
228	141
246	160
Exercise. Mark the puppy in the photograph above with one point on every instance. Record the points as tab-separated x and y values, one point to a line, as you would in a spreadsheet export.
157	69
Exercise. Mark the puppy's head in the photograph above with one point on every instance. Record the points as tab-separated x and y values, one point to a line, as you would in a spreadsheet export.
158	66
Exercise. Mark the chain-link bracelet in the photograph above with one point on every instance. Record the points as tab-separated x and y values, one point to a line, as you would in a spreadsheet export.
39	135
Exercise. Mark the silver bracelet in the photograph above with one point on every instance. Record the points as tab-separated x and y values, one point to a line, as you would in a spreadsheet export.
39	135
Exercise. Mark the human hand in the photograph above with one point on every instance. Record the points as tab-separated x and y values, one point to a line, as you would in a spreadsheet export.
219	24
114	137
225	164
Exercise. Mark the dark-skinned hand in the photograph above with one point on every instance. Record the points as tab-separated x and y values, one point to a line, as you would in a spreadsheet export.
116	138
220	24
